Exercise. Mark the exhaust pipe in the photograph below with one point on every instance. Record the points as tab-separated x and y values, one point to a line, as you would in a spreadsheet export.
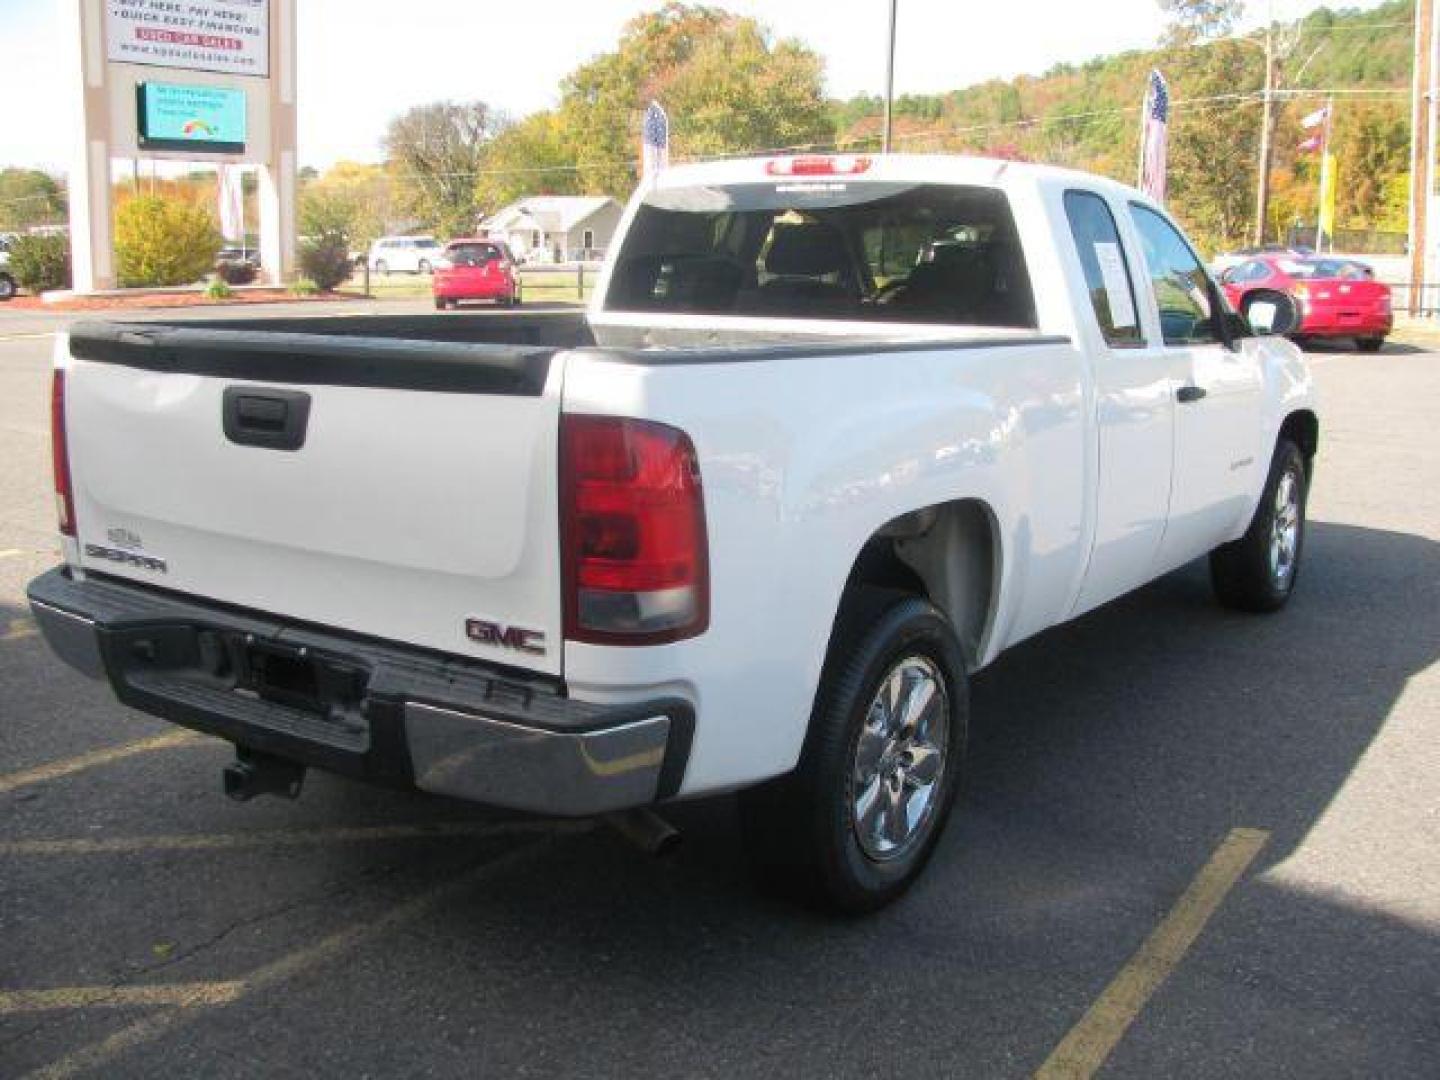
646	829
254	773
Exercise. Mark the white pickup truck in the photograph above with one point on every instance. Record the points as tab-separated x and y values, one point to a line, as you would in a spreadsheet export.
832	435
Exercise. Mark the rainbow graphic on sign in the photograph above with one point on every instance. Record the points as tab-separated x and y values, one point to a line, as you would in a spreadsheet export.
197	129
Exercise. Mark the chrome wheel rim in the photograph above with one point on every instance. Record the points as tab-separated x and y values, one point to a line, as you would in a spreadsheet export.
899	760
1285	528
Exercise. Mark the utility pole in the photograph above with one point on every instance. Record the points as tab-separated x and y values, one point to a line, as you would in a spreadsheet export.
1267	133
890	80
1422	150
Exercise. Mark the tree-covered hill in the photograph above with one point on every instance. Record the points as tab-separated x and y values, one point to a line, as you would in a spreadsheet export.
1087	116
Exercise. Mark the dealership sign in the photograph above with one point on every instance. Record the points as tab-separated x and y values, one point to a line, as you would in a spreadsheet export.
227	36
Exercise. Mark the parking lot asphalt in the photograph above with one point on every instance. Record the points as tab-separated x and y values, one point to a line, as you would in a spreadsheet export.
1201	842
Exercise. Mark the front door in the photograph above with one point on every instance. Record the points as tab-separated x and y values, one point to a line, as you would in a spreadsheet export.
1218	400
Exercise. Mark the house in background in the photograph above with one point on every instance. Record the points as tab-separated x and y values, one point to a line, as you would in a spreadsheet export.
555	228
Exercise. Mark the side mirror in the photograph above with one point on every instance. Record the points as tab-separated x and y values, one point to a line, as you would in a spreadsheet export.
1272	313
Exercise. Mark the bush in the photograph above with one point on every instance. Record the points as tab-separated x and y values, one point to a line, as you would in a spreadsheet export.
161	242
218	290
304	287
327	222
325	260
40	263
235	272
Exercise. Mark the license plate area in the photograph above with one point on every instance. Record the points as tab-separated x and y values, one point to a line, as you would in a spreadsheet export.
300	678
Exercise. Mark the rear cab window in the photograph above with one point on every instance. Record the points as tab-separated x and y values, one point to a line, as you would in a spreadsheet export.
1108	279
889	252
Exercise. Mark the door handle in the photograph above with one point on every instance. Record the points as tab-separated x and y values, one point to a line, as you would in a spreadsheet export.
1186	394
259	416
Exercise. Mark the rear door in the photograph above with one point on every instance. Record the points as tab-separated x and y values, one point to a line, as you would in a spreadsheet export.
1218	398
401	489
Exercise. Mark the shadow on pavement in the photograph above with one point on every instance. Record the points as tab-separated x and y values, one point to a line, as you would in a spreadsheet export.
1109	758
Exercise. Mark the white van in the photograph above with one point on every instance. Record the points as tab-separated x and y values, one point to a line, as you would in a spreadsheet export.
410	254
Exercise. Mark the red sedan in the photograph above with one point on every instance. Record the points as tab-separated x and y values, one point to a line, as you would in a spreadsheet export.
475	270
1311	297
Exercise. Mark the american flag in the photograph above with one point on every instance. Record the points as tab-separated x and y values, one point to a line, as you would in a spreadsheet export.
654	141
1153	138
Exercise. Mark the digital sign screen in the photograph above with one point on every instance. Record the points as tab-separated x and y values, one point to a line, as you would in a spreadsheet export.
200	119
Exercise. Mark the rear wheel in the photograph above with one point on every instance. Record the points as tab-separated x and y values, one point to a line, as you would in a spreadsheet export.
852	828
1258	571
1370	344
441	305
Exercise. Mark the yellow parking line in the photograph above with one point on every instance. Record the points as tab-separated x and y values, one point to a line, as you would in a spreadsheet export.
19	630
1102	1027
57	769
181	995
327	949
135	845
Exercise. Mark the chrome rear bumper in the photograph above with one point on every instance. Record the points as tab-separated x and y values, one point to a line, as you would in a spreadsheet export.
444	724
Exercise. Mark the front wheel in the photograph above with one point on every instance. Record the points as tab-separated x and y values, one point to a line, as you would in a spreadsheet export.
852	828
1258	571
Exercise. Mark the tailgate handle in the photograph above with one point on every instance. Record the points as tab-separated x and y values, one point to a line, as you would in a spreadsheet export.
274	419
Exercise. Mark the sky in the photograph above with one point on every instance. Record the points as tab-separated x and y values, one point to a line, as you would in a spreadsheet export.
363	61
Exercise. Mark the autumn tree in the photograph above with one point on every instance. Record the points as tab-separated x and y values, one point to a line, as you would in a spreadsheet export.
727	83
29	197
438	150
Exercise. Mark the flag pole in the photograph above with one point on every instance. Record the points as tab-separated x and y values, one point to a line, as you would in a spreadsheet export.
1144	114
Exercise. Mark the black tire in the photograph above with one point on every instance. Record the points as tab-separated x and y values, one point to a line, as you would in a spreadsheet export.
1370	344
7	287
441	305
801	830
1250	574
514	300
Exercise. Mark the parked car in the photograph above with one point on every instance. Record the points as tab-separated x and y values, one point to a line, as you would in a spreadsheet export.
8	286
1312	297
751	523
475	270
404	254
237	253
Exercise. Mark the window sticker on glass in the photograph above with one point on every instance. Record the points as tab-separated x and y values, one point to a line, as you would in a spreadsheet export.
1117	285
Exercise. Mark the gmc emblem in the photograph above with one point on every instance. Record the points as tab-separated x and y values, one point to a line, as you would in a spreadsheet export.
516	638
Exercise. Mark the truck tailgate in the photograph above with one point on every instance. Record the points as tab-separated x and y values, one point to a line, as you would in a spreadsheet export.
415	499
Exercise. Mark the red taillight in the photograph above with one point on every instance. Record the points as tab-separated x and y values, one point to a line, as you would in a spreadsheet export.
633	532
60	454
818	165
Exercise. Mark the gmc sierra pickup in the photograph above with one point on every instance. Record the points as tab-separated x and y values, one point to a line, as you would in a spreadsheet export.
833	433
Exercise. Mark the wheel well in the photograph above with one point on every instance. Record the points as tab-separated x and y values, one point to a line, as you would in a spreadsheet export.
1303	429
946	553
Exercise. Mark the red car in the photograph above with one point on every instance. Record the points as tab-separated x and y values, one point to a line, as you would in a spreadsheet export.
475	270
1311	296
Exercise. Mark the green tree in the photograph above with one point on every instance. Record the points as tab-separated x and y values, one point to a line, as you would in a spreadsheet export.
438	150
369	193
1197	20
727	84
29	197
163	242
534	157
